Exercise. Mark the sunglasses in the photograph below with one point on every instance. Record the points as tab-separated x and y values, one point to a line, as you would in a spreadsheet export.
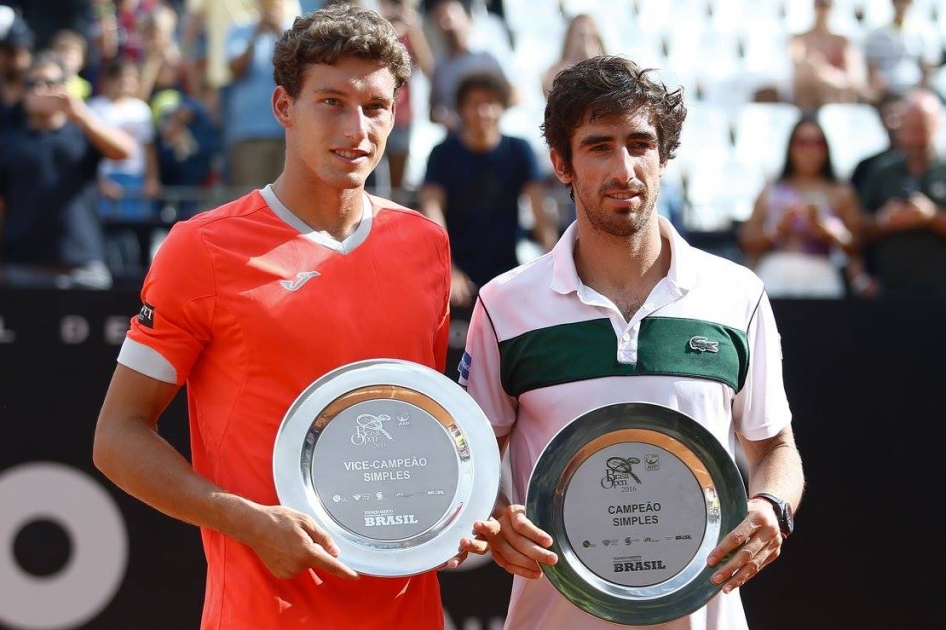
47	83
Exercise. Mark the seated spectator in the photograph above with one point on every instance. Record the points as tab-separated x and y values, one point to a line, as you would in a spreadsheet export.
72	49
902	54
905	207
828	67
473	185
127	186
582	40
51	231
454	24
802	220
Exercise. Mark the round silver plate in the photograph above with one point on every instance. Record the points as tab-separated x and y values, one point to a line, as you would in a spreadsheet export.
393	459
635	496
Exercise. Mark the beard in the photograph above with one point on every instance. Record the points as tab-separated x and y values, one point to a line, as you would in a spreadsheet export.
622	224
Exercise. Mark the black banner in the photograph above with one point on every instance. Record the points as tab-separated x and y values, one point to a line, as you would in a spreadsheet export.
863	379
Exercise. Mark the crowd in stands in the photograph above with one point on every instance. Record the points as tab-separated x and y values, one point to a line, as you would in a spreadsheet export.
813	151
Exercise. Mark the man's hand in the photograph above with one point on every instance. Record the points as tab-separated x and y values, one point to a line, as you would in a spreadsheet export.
907	214
462	289
519	546
754	544
478	544
289	542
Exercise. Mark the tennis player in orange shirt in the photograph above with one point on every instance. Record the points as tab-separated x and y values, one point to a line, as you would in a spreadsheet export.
248	304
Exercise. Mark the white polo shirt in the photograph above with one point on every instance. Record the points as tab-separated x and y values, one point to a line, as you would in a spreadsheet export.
543	349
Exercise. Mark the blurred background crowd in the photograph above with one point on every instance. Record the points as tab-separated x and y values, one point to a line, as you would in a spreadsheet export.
813	150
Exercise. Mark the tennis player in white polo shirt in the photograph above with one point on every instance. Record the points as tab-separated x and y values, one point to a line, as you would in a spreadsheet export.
624	310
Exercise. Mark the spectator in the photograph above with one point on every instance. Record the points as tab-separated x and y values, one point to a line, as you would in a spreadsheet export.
187	141
474	181
117	33
905	205
582	40
902	54
802	220
16	55
127	186
256	143
828	67
890	111
163	65
51	231
410	31
73	50
454	23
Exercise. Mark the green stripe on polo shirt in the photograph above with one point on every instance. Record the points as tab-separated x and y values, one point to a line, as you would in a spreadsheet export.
667	346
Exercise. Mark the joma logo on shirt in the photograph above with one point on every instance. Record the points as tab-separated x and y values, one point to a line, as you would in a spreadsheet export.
301	278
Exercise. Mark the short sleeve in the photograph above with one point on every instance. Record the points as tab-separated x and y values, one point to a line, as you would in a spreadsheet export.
480	371
760	409
176	319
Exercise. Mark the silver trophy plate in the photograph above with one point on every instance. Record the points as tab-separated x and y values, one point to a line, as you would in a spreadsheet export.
635	496
393	459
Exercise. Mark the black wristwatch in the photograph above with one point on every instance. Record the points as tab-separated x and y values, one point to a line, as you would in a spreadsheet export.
783	512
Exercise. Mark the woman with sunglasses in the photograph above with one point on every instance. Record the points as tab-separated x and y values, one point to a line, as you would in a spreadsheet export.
804	227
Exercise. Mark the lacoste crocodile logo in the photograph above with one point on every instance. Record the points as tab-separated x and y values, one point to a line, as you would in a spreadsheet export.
301	278
702	344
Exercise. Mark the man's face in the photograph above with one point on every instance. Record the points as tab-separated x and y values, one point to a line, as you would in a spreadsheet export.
917	129
338	125
615	172
451	19
41	82
481	111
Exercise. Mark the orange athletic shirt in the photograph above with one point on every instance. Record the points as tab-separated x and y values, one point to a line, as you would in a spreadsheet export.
233	310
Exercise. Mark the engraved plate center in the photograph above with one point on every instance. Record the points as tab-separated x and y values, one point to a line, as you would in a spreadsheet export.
393	469
635	514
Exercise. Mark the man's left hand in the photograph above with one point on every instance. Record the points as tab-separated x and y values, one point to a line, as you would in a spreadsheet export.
754	544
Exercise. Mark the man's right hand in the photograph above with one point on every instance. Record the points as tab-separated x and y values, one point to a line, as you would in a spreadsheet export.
290	542
520	546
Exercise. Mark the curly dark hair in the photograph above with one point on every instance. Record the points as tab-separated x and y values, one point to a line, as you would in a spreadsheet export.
336	31
609	85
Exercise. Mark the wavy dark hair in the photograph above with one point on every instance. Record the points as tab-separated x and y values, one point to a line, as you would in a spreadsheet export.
337	31
609	85
788	168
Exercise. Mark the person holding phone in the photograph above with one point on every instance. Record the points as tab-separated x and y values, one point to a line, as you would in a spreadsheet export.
905	206
803	222
52	235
